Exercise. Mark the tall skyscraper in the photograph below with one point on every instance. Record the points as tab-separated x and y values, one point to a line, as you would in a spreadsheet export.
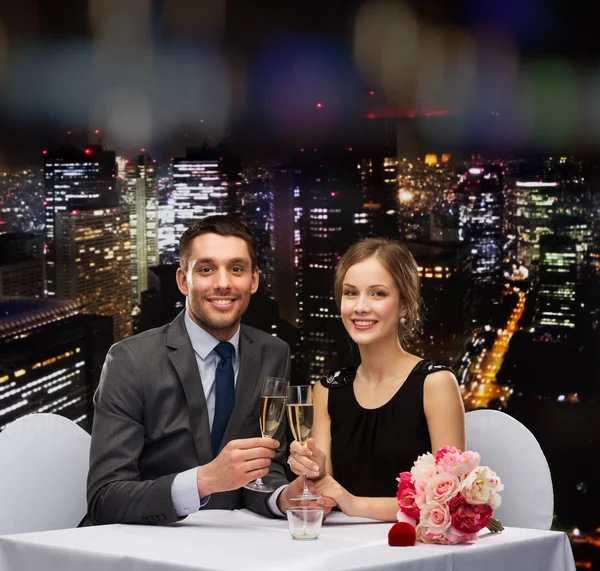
329	196
534	204
204	183
141	197
283	187
75	179
379	185
52	356
93	263
556	308
480	200
256	208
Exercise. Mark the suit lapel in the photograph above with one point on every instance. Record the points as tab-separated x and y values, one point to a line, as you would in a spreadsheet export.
184	361
246	385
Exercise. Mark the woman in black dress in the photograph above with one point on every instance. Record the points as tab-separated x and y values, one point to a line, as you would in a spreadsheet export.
372	422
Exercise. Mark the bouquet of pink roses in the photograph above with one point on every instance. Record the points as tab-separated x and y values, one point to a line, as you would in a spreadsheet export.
449	497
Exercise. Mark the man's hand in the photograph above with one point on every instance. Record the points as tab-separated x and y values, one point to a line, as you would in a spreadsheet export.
307	460
240	462
295	489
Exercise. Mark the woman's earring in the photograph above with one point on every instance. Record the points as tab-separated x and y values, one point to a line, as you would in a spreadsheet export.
402	320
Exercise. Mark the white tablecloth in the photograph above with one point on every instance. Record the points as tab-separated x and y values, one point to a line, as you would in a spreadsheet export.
232	541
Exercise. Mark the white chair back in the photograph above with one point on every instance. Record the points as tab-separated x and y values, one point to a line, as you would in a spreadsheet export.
512	451
43	470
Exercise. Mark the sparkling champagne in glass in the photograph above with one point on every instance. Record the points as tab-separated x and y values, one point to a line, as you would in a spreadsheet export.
272	409
300	418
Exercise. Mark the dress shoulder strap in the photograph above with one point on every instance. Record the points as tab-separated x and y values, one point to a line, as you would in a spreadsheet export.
338	379
427	366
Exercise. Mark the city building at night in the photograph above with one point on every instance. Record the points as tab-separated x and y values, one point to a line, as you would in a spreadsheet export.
75	178
204	182
93	263
141	197
52	356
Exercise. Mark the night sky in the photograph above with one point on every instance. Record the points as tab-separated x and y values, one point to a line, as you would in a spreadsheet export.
269	38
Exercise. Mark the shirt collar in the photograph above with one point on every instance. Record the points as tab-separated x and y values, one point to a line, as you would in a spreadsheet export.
203	342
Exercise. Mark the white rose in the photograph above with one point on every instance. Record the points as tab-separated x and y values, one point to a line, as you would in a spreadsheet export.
423	468
481	486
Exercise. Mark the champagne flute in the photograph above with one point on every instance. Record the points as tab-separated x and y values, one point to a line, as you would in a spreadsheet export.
300	417
272	409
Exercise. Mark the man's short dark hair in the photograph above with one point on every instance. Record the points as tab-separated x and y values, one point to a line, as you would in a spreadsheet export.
222	225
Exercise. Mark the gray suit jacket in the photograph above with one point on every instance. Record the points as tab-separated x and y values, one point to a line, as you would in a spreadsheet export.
151	422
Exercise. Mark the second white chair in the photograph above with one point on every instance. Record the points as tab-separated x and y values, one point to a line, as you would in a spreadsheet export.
512	451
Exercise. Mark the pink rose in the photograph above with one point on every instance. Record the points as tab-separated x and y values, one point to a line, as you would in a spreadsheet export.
443	451
426	535
469	460
436	517
458	463
442	487
455	536
468	518
406	496
420	500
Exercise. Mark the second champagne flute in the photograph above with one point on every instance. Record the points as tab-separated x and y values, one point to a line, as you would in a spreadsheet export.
272	409
300	418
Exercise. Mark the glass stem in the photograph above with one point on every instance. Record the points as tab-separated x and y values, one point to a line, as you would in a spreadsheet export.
305	491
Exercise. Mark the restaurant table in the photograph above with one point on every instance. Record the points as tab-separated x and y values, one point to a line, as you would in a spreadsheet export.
215	540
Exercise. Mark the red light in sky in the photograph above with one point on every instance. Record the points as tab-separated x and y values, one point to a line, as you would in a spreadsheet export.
319	105
97	131
349	148
88	151
301	150
44	152
371	93
143	150
201	120
75	211
371	116
68	132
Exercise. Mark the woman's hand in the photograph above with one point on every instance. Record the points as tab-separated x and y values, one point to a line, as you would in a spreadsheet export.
307	460
329	488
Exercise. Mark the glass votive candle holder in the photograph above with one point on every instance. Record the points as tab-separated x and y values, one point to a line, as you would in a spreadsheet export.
305	521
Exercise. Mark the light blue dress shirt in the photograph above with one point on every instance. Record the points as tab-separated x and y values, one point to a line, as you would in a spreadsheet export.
184	490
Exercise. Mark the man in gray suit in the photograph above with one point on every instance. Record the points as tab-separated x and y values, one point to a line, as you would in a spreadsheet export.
162	447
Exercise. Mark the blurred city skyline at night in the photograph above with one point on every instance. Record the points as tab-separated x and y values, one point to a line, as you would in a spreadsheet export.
274	76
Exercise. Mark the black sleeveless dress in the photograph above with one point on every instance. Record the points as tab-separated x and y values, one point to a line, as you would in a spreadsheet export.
370	447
